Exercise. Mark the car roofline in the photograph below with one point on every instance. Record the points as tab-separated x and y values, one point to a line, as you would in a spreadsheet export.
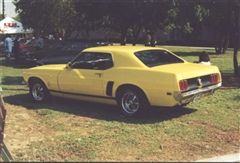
119	48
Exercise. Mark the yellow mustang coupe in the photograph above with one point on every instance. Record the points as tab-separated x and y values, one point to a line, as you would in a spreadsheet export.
134	77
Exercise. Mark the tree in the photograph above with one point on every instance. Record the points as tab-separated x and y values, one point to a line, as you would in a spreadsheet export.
225	19
185	19
236	35
220	22
46	16
128	18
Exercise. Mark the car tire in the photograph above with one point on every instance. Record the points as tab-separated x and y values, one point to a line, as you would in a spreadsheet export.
132	102
38	91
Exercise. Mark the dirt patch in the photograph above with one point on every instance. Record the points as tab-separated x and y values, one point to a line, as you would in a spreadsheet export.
228	136
27	129
217	141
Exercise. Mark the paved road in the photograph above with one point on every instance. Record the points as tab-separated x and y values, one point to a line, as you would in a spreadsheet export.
226	158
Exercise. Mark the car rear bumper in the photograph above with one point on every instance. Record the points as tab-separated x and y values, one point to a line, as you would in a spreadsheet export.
187	97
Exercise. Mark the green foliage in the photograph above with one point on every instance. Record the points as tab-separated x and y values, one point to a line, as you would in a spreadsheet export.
58	15
200	12
187	28
46	16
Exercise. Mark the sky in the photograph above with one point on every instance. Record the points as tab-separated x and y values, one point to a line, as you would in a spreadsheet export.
9	8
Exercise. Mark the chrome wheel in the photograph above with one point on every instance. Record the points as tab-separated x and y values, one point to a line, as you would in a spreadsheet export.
38	92
130	102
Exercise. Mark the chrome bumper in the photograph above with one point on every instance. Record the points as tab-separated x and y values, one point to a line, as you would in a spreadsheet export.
187	97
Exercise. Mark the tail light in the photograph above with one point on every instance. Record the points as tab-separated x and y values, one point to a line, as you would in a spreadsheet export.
215	78
183	84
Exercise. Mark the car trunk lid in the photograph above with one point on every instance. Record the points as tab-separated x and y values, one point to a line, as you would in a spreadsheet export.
194	76
187	70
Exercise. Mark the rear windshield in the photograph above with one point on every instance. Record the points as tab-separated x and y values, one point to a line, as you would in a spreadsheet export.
153	58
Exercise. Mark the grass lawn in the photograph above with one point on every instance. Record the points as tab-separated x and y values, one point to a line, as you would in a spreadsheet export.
68	130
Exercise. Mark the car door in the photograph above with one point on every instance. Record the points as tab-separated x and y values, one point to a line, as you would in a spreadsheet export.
85	75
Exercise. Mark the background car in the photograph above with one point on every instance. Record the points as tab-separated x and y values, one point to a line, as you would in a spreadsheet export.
54	51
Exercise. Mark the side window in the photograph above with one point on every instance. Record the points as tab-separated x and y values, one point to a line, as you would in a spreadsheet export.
92	60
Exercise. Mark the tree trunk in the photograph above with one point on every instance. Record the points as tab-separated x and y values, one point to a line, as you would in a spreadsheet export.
153	39
222	44
226	44
217	50
148	39
123	38
236	39
235	62
136	33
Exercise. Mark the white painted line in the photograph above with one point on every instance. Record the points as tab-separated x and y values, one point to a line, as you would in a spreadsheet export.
226	158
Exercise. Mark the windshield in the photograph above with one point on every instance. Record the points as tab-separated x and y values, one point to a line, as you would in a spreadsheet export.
153	58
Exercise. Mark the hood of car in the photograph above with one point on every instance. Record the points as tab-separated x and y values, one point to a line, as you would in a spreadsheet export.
51	67
187	70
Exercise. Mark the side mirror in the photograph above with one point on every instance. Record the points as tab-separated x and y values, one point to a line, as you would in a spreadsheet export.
68	66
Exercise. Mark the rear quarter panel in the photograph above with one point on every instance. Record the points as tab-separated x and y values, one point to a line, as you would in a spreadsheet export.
154	84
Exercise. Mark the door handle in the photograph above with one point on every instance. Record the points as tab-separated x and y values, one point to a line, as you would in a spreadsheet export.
99	74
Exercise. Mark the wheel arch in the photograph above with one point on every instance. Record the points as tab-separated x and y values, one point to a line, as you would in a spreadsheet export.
125	86
33	78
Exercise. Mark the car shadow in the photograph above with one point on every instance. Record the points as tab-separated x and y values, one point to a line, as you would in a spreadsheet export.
98	111
11	64
12	80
